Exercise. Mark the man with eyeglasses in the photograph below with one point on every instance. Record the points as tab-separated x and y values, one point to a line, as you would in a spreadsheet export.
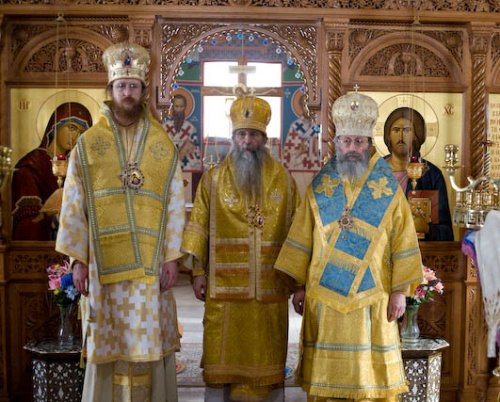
241	215
353	247
121	223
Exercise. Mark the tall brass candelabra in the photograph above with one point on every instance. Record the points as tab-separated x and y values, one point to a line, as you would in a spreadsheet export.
474	201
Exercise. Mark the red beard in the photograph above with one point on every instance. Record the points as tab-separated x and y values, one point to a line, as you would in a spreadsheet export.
128	109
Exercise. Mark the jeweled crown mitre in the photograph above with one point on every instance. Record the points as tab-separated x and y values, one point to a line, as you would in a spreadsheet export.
354	114
250	112
126	60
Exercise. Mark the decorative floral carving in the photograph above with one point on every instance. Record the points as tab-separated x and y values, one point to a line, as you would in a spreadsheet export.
303	39
179	39
335	40
405	60
114	32
174	39
142	31
453	40
472	300
35	314
21	34
445	263
491	6
495	48
361	37
71	56
240	2
479	42
31	263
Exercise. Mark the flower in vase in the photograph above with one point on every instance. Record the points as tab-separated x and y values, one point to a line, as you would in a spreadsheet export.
427	289
61	284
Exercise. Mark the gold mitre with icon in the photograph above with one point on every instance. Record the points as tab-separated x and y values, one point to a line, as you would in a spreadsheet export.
354	114
250	112
126	60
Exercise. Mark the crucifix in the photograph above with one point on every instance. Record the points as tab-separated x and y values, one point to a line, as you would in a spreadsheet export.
242	69
230	93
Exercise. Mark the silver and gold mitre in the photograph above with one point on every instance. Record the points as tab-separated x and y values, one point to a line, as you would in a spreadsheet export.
250	112
354	114
126	60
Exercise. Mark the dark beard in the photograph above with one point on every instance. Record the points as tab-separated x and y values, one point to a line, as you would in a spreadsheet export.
248	169
353	169
178	118
131	111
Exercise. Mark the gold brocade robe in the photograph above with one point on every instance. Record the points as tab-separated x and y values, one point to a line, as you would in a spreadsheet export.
350	264
128	320
128	224
235	244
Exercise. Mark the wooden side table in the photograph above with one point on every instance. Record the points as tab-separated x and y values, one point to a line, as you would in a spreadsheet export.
57	375
422	362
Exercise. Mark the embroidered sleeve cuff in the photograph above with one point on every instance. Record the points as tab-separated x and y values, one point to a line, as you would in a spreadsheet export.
173	256
405	289
198	272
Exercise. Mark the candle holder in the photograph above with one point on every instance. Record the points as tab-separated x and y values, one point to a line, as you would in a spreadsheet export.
474	201
5	170
415	171
60	168
5	163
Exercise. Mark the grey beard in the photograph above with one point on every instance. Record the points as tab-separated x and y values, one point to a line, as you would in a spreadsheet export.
248	170
352	170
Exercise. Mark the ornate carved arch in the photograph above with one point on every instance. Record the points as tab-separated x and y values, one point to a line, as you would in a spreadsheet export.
399	55
300	41
495	63
74	50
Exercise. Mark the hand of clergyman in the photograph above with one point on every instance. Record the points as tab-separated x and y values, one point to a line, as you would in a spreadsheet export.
396	307
298	300
200	287
168	277
80	277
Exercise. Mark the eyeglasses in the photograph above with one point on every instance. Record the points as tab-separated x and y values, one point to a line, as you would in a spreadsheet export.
252	134
121	86
348	141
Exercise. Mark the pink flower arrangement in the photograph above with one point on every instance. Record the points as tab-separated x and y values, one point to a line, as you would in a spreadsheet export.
61	284
427	289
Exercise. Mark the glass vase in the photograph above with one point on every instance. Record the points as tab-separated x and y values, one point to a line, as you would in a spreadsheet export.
65	334
409	328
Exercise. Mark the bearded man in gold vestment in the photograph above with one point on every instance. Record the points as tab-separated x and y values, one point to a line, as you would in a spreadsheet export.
241	215
121	223
354	247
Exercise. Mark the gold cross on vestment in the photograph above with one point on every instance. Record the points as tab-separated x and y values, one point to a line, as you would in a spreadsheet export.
379	188
327	186
230	200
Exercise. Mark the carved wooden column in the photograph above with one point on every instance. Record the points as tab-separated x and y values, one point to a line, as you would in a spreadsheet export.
3	307
480	38
4	390
476	376
336	34
141	31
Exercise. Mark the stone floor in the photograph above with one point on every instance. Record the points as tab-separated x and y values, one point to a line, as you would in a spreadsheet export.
190	314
